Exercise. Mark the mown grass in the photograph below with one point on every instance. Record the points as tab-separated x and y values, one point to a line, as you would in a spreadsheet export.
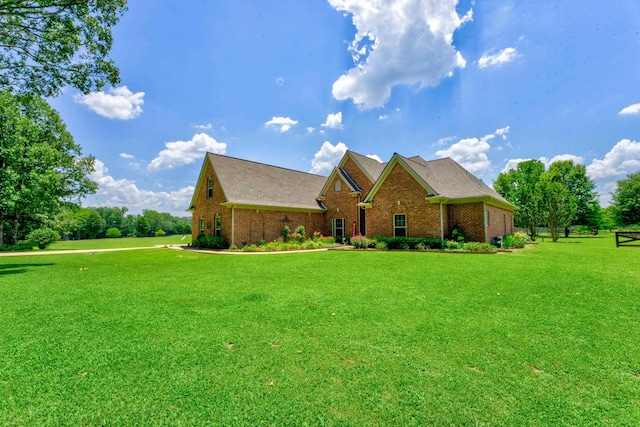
125	242
544	336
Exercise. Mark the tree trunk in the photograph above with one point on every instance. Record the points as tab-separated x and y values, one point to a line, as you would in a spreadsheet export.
1	229
14	237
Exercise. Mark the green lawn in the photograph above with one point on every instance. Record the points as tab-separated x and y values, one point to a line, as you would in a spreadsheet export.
125	242
544	336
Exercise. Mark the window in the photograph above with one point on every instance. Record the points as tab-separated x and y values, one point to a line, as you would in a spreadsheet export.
338	227
218	225
338	185
400	225
209	188
201	224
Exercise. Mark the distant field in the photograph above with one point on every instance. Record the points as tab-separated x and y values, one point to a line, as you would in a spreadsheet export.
545	336
125	242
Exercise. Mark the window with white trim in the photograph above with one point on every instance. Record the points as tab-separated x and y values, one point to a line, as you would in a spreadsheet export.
218	226
399	225
202	224
337	186
209	188
338	227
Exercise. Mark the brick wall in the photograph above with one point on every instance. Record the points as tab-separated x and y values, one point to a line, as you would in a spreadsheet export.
209	208
340	204
423	218
470	217
500	221
255	224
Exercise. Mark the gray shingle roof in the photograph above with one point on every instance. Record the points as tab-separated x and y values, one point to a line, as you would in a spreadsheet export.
371	166
250	183
451	180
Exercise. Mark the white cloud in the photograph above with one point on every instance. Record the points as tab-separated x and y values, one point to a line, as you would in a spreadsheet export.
125	192
409	43
181	153
334	121
560	157
282	124
631	109
621	160
119	103
503	132
127	156
500	58
471	153
280	81
374	157
206	126
327	157
512	164
310	129
383	117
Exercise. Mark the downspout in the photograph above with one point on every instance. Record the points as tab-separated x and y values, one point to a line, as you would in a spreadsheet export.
485	216
233	225
441	223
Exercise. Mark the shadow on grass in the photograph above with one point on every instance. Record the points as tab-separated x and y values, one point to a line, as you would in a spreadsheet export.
7	269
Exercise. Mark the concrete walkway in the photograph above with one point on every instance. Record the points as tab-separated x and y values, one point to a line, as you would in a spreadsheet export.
78	251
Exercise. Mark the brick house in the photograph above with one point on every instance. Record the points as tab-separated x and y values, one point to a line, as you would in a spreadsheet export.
245	201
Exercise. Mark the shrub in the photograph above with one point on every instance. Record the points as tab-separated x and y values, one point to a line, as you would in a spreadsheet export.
452	245
301	232
421	246
410	242
160	233
113	233
478	247
513	241
381	246
457	234
327	240
210	242
22	246
316	236
43	237
360	242
286	232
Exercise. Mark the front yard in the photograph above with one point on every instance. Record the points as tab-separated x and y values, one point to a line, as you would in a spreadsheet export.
541	336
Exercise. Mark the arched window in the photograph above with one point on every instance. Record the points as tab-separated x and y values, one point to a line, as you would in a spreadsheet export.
338	185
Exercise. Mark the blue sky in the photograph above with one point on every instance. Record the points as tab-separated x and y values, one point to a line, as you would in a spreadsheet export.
295	83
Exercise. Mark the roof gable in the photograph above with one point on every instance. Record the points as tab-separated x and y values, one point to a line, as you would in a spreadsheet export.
247	183
338	172
398	160
370	167
444	180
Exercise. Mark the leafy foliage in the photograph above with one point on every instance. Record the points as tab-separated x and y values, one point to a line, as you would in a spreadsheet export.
46	45
626	200
360	242
41	167
43	237
521	187
210	242
480	247
409	242
113	233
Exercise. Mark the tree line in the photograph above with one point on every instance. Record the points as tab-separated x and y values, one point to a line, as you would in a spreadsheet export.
563	196
113	222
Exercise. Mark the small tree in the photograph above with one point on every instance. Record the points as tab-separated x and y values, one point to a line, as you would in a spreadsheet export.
626	200
286	232
113	233
43	237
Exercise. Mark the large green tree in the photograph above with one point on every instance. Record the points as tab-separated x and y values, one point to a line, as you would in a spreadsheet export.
521	186
41	167
626	200
46	45
559	204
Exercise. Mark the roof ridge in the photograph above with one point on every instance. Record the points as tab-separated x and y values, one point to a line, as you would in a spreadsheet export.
265	164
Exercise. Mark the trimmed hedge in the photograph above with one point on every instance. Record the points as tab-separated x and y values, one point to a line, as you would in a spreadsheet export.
203	241
410	242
